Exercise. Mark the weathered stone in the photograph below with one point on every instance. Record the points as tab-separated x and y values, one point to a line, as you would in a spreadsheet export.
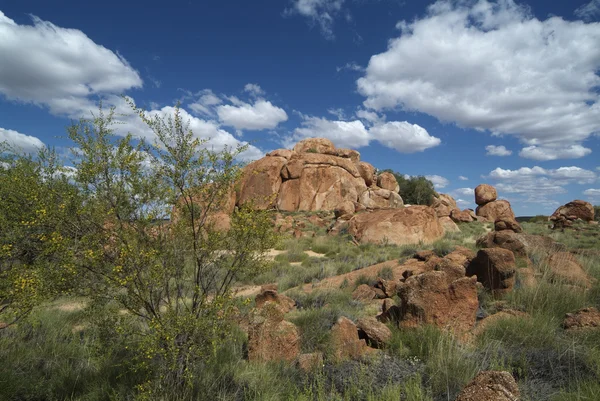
270	338
285	153
310	362
565	268
577	209
345	208
351	154
367	172
582	319
485	193
491	386
345	340
315	145
443	204
285	303
388	181
410	225
495	268
461	216
377	198
449	225
376	333
363	293
428	299
261	181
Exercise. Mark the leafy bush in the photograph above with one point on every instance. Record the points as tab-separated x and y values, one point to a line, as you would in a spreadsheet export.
416	190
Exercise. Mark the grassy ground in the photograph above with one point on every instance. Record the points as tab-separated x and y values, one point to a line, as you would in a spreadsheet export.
58	353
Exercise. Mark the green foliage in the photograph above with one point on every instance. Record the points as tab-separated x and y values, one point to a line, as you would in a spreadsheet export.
38	222
416	190
597	212
173	281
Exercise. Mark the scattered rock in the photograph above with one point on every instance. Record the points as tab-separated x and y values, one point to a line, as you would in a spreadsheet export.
491	386
345	208
363	293
411	225
310	362
583	318
565	268
269	294
485	193
459	216
376	333
574	210
449	225
315	145
428	299
345	340
443	205
388	181
495	268
270	337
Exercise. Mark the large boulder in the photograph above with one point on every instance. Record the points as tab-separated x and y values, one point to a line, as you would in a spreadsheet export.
427	298
388	181
485	193
582	319
378	198
261	181
315	145
449	225
268	294
345	341
443	204
270	337
376	334
500	213
491	386
367	172
565	268
459	216
495	268
410	225
576	209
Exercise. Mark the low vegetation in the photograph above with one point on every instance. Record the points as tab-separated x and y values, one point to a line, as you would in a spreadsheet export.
101	302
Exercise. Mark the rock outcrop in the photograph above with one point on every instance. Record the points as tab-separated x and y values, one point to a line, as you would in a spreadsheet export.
575	210
491	386
582	319
427	298
443	205
495	268
565	268
270	337
345	341
315	175
410	225
498	212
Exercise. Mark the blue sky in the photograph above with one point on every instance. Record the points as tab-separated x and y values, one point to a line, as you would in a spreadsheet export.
465	92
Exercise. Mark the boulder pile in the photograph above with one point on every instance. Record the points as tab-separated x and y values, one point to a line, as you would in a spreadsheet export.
565	215
316	175
493	210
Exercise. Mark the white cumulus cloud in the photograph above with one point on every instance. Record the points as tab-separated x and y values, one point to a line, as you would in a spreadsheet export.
254	89
463	178
588	11
537	184
20	142
544	153
493	150
593	194
257	116
403	136
493	66
345	134
438	181
399	135
318	12
59	68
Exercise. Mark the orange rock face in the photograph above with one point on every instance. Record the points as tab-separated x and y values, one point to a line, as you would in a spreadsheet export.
495	268
261	182
577	209
388	181
409	225
270	338
444	205
428	299
565	268
485	193
345	340
491	386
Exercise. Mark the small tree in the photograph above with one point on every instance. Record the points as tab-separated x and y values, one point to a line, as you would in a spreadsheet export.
416	190
174	279
38	211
